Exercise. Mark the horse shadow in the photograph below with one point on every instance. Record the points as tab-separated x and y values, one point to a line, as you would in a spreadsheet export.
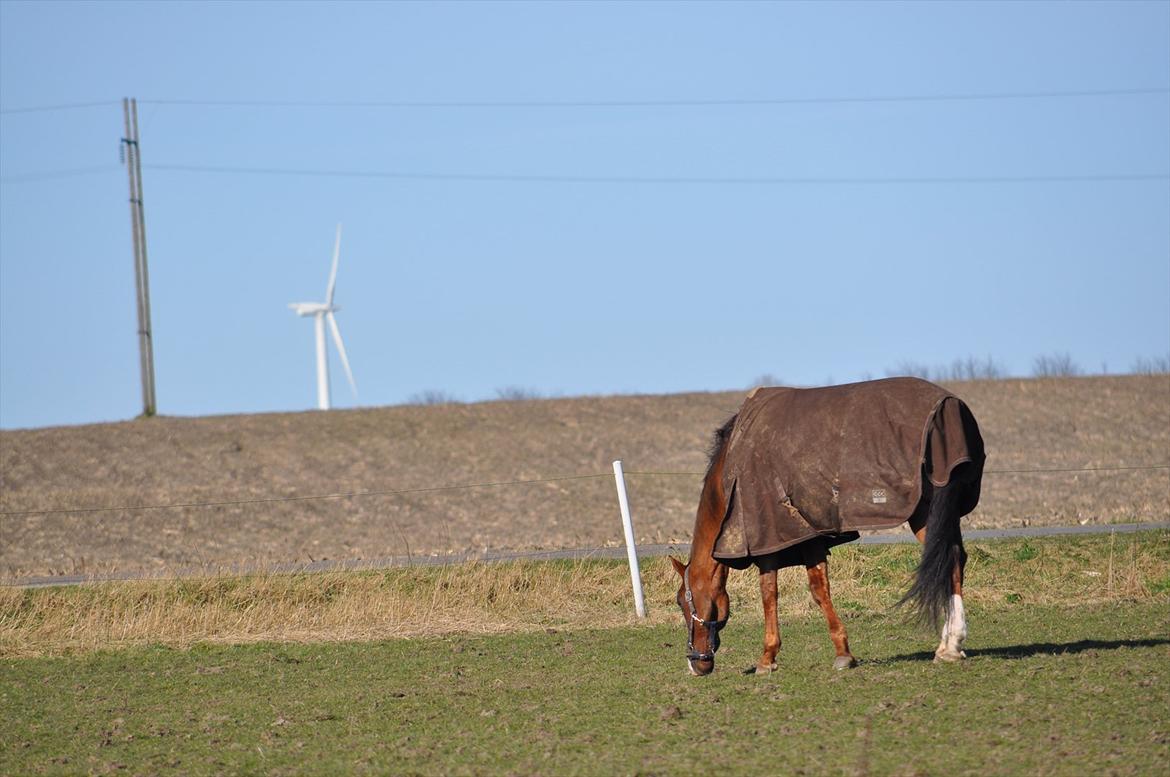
1013	652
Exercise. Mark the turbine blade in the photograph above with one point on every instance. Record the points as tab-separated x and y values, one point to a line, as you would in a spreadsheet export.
341	352
333	272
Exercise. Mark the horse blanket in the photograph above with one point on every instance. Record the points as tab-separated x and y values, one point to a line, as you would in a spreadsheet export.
826	462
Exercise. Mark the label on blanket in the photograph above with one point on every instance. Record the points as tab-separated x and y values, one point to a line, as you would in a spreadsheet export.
879	496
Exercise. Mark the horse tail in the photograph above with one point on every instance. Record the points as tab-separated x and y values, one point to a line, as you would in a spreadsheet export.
942	556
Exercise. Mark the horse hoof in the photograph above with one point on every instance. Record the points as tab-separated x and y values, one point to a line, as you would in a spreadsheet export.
761	669
844	662
948	657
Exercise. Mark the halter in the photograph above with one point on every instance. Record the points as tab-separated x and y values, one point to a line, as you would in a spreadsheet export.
712	627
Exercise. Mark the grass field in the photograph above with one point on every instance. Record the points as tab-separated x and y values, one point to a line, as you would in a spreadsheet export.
1046	691
1069	673
1115	421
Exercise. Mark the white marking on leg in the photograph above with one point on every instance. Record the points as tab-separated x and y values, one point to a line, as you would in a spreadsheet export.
954	630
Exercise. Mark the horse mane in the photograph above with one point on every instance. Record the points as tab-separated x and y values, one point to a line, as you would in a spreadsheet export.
719	442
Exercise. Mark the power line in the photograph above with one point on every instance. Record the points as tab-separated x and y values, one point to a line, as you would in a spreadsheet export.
465	486
660	103
403	175
665	103
50	174
62	107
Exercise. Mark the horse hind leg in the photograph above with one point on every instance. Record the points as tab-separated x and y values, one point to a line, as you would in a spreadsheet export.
818	585
954	628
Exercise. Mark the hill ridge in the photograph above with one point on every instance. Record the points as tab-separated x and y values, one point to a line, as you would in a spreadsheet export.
1027	423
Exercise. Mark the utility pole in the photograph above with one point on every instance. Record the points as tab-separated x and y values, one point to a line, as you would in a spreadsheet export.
141	277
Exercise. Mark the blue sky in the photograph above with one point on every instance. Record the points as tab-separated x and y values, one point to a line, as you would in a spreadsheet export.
692	240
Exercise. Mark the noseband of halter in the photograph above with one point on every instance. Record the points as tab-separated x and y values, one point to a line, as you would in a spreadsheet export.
712	627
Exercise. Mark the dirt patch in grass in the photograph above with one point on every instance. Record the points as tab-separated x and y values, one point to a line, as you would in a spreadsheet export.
1028	424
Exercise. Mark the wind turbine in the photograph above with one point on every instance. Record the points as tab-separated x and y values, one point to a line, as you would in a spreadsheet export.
320	311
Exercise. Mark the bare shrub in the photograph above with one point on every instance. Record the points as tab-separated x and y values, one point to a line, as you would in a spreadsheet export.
972	368
516	393
1157	365
766	379
433	397
1056	365
913	369
969	368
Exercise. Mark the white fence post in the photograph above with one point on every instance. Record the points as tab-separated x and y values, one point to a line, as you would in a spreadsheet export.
631	550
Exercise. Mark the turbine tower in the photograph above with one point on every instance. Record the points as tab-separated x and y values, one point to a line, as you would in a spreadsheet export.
322	311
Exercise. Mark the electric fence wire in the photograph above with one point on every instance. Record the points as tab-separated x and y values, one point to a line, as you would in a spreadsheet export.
491	484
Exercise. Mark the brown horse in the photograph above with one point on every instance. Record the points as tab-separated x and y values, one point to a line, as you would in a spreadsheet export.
934	508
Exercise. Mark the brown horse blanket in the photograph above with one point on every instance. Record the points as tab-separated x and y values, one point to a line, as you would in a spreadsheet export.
826	462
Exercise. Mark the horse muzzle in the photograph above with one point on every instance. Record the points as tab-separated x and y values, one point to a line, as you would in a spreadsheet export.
702	662
701	667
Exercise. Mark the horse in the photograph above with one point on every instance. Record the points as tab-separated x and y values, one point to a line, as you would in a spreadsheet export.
775	428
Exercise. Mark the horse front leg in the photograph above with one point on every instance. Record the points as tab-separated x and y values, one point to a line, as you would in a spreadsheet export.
768	597
818	585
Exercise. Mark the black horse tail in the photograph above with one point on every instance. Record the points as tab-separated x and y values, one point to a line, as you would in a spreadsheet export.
942	554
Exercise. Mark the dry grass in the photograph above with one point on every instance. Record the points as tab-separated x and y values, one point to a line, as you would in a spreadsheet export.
478	598
332	606
1028	424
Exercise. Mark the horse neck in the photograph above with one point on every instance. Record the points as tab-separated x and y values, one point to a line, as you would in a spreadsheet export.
708	522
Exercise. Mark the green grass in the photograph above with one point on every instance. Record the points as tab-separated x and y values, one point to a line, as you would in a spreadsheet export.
1069	674
1047	690
1026	551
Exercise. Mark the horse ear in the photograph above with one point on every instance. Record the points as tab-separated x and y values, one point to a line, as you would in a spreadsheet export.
678	566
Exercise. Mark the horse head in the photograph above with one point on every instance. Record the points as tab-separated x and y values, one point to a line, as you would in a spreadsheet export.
705	608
